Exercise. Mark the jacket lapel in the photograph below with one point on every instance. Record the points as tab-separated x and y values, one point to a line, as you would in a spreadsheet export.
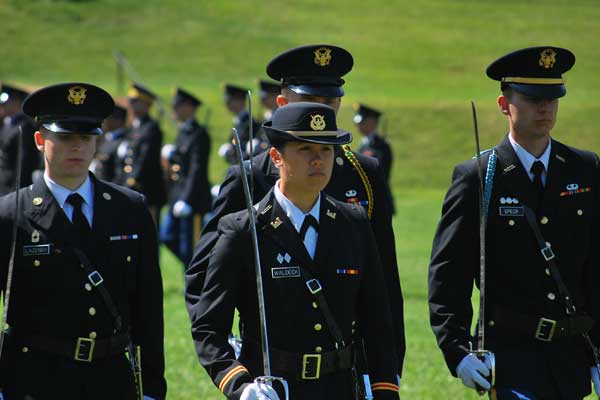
327	230
44	212
102	204
513	175
276	226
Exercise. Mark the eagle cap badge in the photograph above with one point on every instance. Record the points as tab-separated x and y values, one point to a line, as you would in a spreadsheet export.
322	56
76	95
317	122
547	58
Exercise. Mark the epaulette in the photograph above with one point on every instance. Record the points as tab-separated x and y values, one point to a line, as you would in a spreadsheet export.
482	153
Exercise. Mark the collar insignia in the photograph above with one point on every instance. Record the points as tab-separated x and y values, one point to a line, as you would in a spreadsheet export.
331	214
560	158
37	201
275	223
267	208
510	168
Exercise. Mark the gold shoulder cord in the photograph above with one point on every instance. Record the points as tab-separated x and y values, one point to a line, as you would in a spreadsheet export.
363	177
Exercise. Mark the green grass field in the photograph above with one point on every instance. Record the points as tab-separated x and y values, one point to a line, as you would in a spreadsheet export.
420	61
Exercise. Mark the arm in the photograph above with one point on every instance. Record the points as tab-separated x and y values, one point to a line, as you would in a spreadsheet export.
453	267
212	313
381	223
147	309
375	321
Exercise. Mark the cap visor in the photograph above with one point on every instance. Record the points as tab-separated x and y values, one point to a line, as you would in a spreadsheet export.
75	128
540	91
317	90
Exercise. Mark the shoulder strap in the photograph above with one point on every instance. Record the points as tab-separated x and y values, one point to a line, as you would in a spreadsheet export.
97	281
489	183
363	177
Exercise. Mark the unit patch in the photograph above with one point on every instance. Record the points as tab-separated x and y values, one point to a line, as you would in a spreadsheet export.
285	272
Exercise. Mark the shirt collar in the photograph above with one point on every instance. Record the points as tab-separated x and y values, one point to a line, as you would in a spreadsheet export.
526	158
61	193
295	215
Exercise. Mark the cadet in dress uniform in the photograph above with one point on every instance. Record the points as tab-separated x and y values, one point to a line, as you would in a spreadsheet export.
104	165
268	93
314	73
140	162
15	121
534	332
86	278
303	235
235	101
372	144
188	188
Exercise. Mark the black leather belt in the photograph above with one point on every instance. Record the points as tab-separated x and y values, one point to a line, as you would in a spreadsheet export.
540	328
80	349
308	366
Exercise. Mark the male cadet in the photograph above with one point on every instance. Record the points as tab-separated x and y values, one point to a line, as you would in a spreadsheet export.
14	121
541	272
314	73
372	144
86	280
305	238
188	188
139	154
235	101
268	93
104	165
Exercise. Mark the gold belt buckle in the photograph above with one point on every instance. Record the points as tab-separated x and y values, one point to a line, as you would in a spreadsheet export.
84	350
308	361
545	329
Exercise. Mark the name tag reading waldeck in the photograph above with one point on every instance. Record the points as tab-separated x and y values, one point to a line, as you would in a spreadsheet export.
37	250
512	211
285	272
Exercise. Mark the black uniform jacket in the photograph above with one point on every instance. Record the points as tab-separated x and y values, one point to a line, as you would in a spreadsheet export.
140	169
345	242
345	185
374	145
48	293
30	157
188	168
516	277
105	160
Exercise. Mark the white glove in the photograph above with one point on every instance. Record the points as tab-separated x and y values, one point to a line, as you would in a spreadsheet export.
596	380
181	209
259	391
472	371
167	151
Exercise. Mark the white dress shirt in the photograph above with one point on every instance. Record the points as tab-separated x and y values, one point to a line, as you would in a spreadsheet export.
527	159
60	193
296	216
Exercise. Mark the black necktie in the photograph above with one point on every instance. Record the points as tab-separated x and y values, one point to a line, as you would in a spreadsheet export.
309	221
538	169
79	222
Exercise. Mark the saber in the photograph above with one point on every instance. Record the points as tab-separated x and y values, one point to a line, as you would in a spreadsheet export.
481	352
267	378
251	141
11	263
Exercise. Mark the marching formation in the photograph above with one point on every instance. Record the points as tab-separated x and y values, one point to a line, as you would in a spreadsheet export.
297	239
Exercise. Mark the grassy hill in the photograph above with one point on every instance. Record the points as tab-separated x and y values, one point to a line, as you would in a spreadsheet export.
420	61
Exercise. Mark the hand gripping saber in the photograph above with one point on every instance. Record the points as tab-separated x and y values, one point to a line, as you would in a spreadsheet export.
481	353
266	378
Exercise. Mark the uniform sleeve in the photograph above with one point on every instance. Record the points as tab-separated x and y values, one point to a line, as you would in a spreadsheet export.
453	267
375	322
381	223
212	314
230	199
147	311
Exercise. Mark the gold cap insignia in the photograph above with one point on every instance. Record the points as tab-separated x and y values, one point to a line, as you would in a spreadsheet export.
331	214
323	56
547	58
35	237
317	122
37	201
76	95
275	223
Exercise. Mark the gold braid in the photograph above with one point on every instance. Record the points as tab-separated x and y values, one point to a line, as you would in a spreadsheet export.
363	177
